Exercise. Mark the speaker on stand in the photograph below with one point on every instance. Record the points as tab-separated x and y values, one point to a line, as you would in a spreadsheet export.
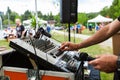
68	12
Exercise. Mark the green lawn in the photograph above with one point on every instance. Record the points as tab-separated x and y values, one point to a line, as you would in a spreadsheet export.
4	43
93	50
87	32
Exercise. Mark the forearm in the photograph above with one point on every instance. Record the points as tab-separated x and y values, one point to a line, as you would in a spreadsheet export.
23	32
95	39
103	34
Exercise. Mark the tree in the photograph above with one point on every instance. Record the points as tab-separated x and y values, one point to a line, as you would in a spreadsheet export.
50	16
82	18
57	17
105	11
5	22
45	17
92	15
26	15
40	14
13	16
114	9
9	10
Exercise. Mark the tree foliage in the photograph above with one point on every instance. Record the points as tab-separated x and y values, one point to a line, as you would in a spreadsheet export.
105	11
82	18
27	15
112	11
12	16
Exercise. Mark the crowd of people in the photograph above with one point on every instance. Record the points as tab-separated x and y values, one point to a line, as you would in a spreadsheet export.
20	32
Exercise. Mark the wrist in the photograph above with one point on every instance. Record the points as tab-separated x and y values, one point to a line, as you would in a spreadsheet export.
79	46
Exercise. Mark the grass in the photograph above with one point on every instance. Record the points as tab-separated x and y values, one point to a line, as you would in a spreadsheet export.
92	50
105	76
4	43
87	32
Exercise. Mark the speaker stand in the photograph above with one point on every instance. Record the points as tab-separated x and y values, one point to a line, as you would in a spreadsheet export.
69	36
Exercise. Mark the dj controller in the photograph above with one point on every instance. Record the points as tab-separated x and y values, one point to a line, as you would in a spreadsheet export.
47	52
47	56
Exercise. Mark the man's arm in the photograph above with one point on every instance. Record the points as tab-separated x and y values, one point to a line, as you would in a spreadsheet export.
103	34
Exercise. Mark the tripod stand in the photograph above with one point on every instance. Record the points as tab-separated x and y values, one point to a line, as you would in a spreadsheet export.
79	75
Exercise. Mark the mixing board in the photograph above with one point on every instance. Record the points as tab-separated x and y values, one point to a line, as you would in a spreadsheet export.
48	53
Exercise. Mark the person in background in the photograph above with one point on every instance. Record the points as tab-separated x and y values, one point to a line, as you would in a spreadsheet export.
48	29
106	62
20	30
79	27
5	34
97	28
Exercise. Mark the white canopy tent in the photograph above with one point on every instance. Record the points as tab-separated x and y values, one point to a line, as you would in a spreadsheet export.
100	18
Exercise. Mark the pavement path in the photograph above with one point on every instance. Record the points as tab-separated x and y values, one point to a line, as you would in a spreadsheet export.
107	43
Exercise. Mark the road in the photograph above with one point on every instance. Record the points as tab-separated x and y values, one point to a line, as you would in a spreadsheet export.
107	43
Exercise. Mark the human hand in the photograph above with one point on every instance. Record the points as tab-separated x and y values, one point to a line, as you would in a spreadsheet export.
106	63
69	46
22	37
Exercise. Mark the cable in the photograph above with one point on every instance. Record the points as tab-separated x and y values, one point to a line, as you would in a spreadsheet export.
36	59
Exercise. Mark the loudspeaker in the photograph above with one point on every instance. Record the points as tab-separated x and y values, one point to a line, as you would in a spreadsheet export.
68	11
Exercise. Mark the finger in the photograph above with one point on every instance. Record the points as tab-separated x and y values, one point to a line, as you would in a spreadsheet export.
63	43
97	67
93	62
97	56
64	47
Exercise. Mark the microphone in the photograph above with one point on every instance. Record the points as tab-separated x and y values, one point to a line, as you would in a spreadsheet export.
89	58
84	57
44	32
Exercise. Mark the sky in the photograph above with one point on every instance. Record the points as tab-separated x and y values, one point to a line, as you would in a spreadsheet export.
47	6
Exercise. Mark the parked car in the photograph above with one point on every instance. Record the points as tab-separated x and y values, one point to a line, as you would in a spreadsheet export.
59	28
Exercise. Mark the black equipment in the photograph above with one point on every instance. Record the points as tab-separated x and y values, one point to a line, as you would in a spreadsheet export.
79	75
41	32
44	32
68	11
84	57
